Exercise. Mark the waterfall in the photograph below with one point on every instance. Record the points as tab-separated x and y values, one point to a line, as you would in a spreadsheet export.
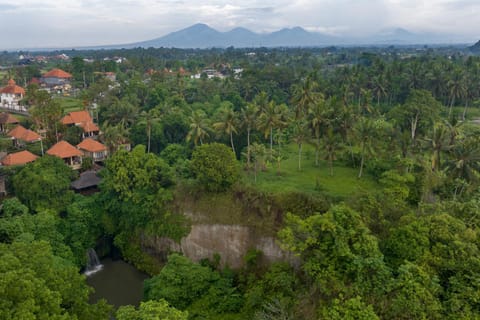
93	263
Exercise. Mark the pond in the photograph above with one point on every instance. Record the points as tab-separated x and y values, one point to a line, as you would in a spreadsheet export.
118	282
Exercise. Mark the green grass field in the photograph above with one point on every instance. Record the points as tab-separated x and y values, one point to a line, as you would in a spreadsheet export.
70	104
311	179
472	112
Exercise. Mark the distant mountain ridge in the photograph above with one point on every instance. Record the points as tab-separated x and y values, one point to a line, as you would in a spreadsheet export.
475	47
202	36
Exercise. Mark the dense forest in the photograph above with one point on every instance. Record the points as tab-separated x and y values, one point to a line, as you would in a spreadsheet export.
363	163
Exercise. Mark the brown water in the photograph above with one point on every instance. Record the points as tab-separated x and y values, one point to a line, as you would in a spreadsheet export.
118	282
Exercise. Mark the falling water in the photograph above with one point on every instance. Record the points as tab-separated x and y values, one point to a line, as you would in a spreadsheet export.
93	263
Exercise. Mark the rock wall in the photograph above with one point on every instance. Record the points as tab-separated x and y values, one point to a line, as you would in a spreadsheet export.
231	242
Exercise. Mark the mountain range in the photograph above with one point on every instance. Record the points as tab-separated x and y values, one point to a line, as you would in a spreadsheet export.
202	36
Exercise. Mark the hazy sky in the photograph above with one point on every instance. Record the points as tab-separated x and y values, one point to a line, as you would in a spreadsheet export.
63	23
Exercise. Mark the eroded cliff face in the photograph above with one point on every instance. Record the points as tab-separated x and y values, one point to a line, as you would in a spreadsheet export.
231	242
231	224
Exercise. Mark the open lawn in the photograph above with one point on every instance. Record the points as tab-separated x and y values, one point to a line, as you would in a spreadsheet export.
472	112
311	179
70	104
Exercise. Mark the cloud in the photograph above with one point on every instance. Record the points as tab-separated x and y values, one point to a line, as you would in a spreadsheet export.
90	22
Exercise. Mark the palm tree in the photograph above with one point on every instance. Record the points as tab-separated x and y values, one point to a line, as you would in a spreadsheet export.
114	136
303	96
364	131
121	112
267	121
150	118
249	117
283	120
227	123
261	100
331	143
379	87
199	127
437	142
456	88
300	136
258	155
464	161
316	118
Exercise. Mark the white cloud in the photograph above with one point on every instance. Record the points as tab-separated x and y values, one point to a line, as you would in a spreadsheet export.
88	22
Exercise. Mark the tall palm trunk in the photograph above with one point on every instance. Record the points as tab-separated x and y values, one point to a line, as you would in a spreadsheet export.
271	143
330	164
231	142
465	110
299	157
149	133
451	105
248	148
362	161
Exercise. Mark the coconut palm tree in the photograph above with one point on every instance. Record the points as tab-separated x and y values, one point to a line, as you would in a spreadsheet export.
317	120
227	123
364	131
114	136
267	121
331	143
437	142
304	95
249	117
150	118
300	136
456	88
464	160
199	127
257	152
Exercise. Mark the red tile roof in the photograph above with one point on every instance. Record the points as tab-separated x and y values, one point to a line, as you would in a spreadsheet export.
64	150
19	158
12	88
7	118
76	117
91	145
89	127
20	133
34	81
57	73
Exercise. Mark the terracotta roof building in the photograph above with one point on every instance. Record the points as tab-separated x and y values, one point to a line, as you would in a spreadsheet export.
19	158
93	149
11	95
71	155
57	80
20	136
12	88
83	120
77	117
57	73
6	120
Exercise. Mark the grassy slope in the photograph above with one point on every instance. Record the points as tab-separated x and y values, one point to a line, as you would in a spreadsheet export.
343	183
70	104
263	210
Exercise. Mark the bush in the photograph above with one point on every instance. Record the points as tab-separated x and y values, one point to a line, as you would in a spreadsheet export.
215	167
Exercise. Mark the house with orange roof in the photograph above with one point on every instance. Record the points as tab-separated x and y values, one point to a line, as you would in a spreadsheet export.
19	158
57	80
7	121
83	120
71	155
11	96
21	136
93	149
